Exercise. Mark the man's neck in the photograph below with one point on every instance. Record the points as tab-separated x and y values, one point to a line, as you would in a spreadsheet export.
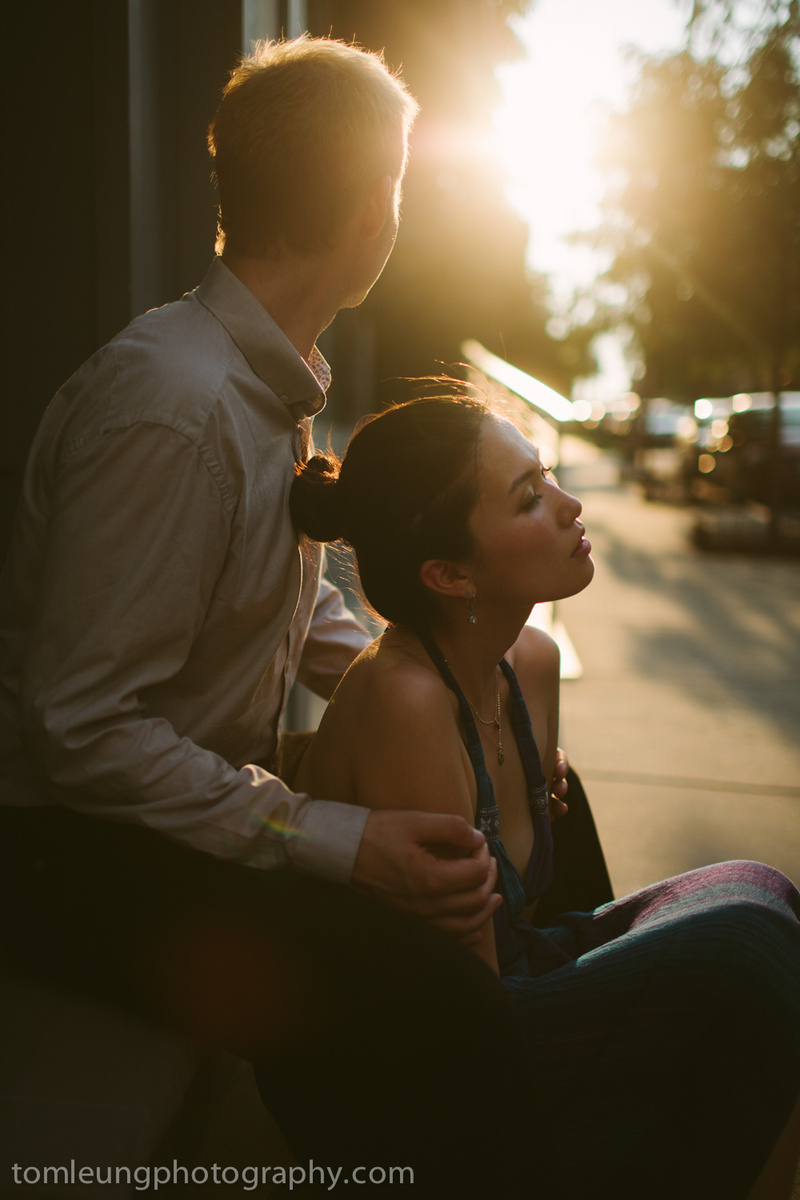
295	290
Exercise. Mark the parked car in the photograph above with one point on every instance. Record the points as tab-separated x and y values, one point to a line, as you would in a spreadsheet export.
734	456
658	447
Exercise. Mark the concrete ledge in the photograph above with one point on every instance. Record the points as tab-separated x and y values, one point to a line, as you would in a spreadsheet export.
82	1083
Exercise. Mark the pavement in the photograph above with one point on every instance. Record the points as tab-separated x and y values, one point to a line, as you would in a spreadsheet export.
685	722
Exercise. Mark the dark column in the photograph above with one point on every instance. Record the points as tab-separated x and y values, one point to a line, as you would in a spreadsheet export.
108	207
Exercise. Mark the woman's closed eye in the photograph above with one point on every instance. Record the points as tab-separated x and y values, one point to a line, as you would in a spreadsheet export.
531	497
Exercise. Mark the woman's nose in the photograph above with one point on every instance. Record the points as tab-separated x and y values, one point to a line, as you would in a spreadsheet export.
571	507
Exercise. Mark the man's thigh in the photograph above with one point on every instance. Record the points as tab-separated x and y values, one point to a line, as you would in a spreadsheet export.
253	960
368	1030
192	939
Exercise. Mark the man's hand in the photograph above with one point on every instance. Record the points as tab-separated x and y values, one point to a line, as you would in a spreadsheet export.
432	866
558	786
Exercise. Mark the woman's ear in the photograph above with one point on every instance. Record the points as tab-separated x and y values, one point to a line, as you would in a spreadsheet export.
445	578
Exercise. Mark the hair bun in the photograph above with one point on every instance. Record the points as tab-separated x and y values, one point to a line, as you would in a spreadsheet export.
314	502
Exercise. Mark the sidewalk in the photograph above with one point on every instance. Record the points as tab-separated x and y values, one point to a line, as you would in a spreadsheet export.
685	725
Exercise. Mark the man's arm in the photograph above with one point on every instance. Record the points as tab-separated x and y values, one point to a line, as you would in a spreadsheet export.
333	640
137	530
136	534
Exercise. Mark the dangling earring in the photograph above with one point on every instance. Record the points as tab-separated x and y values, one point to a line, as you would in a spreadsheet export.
473	620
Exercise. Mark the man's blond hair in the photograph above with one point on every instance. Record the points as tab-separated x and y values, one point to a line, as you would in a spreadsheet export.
303	130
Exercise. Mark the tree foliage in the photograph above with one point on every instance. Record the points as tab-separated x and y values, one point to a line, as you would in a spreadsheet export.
703	217
717	20
458	270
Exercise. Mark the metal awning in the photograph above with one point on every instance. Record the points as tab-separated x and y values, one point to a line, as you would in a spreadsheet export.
548	402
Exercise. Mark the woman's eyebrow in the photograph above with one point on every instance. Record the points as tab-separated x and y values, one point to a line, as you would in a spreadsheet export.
528	474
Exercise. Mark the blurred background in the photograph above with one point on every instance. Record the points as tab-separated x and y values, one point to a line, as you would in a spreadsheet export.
605	196
601	224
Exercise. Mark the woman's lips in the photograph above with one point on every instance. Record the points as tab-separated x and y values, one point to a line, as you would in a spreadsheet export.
583	548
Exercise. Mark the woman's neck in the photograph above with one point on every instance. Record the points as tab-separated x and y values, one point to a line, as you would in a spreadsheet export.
473	654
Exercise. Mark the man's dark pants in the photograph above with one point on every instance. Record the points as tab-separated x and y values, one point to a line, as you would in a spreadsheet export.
376	1040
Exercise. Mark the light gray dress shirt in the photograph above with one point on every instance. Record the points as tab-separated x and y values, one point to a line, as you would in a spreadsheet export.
156	608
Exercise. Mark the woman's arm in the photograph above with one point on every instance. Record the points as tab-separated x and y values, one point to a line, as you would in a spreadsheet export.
537	662
407	753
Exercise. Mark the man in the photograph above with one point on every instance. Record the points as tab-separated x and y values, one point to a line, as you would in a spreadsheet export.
154	612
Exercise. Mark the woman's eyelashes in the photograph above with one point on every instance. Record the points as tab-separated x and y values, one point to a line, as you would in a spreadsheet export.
532	497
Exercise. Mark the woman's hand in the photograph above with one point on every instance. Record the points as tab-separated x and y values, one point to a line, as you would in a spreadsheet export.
558	789
433	866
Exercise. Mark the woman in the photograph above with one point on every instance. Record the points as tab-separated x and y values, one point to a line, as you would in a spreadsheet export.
665	1027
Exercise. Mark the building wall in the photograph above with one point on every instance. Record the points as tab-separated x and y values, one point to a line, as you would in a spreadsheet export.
109	207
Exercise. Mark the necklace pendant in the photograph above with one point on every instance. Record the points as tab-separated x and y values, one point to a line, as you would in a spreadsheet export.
501	758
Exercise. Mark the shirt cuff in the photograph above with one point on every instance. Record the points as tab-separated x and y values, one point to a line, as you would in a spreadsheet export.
328	840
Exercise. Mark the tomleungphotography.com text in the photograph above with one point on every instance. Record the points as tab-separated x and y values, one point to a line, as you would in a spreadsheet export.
145	1178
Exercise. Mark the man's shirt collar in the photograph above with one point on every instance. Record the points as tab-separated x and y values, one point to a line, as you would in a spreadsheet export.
298	384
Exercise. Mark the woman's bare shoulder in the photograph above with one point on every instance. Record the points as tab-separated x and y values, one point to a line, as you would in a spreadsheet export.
535	654
408	751
394	679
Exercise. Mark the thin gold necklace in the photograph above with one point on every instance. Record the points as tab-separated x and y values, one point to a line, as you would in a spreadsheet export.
495	720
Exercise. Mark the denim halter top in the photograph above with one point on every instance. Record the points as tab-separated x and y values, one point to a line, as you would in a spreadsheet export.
513	933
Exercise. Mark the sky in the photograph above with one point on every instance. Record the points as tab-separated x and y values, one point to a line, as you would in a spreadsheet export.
546	128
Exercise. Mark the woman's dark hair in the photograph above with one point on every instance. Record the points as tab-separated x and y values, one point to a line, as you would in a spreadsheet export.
402	495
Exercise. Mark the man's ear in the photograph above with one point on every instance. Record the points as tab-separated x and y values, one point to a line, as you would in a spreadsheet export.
445	578
377	207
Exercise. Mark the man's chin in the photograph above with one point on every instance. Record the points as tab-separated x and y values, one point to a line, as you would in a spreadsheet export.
358	297
354	301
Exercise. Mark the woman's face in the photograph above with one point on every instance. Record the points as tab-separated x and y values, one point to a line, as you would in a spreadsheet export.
530	542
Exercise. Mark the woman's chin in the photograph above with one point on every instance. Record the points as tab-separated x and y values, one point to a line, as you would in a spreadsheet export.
588	565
